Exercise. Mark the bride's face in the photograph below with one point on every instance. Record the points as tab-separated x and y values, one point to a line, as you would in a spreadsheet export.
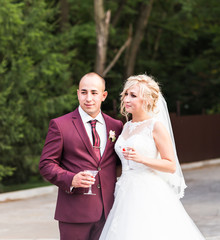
132	101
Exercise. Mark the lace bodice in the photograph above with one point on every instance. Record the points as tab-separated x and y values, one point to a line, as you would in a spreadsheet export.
139	136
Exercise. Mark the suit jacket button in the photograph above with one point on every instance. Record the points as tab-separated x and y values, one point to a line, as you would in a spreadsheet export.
98	186
99	168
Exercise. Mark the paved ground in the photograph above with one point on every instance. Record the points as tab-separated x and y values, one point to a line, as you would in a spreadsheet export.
32	218
202	199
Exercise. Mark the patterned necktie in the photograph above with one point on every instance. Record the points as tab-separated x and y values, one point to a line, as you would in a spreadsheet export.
96	139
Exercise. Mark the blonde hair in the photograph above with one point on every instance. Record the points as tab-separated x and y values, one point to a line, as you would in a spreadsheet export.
149	92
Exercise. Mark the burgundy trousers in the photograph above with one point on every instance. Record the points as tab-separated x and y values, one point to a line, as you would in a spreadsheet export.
81	231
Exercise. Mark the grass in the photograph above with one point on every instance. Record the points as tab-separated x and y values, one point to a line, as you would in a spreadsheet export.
33	183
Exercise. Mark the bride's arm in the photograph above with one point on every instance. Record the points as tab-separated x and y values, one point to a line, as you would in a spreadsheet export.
164	145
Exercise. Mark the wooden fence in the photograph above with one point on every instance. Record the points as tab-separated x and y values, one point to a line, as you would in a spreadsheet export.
197	137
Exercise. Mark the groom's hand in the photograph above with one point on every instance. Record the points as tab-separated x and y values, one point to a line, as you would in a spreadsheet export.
83	179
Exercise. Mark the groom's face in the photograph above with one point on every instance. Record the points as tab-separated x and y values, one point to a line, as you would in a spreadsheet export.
91	94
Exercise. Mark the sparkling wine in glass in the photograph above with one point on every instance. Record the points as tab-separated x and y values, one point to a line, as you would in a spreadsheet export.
127	149
93	173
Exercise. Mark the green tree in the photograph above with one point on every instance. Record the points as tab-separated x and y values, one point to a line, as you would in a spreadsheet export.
35	82
46	46
180	48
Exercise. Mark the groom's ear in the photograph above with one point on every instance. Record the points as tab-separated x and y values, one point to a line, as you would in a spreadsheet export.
104	95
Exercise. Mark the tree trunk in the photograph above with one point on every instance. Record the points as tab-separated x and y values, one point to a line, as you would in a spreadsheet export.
117	15
121	50
64	15
102	20
139	34
157	40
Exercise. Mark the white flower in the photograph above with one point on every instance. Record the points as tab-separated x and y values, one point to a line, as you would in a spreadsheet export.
112	135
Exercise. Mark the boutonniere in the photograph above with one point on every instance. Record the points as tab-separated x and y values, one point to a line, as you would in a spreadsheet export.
112	135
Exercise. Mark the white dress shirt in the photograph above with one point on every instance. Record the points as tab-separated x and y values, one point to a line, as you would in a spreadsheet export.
100	128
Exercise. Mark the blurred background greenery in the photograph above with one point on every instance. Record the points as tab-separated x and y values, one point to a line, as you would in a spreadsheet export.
46	46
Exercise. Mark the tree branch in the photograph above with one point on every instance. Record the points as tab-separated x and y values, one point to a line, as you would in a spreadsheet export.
118	12
64	15
120	51
139	34
102	21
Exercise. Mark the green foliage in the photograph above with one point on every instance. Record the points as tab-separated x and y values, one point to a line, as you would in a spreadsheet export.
186	62
41	64
35	83
180	49
5	171
33	182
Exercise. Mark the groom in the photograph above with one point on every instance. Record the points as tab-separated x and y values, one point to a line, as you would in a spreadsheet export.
74	144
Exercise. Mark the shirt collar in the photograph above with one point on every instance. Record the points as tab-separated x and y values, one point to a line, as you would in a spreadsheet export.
86	117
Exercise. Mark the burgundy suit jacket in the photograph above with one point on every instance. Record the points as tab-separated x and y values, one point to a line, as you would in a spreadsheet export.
66	152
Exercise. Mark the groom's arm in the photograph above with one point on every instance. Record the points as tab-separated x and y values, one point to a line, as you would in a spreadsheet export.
51	157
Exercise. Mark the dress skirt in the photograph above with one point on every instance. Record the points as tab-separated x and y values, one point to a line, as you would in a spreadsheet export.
146	208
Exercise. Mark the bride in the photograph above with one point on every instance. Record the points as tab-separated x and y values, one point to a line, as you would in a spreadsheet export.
147	205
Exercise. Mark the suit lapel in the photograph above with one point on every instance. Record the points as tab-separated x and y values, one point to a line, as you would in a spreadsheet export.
77	121
107	134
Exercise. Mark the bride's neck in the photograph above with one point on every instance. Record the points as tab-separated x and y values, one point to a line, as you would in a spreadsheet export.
140	117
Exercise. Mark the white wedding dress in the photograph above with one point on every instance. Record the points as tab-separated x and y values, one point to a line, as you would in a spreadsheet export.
145	206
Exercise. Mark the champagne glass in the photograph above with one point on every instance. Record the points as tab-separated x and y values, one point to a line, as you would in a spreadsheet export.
127	149
93	173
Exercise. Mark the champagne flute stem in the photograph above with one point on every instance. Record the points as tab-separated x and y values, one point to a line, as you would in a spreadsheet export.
90	190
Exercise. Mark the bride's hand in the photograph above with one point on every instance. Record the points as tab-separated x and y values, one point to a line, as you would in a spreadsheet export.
131	154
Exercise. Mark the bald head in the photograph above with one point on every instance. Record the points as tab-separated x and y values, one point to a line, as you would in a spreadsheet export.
92	76
91	93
